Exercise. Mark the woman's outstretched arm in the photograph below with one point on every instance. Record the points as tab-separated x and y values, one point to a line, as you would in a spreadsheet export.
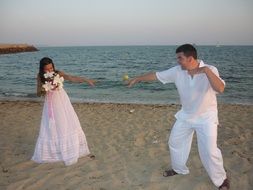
77	79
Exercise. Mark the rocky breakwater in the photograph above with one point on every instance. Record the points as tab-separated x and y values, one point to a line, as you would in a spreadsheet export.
16	48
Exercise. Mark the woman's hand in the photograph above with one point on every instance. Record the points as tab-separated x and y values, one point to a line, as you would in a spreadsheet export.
91	82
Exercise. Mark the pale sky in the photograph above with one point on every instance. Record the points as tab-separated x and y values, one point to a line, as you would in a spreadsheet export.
126	22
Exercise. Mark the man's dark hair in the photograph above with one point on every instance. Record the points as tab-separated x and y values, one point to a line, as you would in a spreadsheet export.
188	50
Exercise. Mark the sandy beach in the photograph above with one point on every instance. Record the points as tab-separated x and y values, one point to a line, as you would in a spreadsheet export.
130	145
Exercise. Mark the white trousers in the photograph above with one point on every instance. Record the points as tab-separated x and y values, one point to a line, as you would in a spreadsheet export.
180	144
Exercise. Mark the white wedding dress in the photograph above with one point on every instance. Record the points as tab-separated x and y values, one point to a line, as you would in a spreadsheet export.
61	137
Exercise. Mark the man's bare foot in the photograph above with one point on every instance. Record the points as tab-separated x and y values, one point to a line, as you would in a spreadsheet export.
168	173
225	185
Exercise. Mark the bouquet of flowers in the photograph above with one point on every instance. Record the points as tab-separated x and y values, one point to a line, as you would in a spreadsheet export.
53	81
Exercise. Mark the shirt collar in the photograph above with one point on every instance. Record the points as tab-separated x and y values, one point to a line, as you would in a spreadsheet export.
201	63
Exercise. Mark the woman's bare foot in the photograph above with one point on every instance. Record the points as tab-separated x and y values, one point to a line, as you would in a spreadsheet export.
91	156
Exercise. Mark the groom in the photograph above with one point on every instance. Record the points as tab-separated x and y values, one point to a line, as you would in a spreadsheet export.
197	84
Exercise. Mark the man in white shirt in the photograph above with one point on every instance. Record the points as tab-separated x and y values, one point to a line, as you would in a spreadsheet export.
197	84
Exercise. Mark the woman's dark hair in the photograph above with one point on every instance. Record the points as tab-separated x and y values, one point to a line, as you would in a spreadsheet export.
188	50
43	62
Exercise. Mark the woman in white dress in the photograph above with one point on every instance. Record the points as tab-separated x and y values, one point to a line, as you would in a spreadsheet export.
61	137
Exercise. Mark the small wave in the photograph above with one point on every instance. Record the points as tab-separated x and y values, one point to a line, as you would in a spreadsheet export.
90	100
18	94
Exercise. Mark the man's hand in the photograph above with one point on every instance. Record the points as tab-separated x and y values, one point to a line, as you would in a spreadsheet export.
198	70
143	78
131	82
215	81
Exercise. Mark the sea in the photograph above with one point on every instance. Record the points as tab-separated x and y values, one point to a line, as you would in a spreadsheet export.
108	64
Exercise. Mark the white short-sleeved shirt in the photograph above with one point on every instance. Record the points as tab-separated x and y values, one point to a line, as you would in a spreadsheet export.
198	98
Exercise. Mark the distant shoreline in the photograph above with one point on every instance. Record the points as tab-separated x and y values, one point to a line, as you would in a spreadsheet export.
16	48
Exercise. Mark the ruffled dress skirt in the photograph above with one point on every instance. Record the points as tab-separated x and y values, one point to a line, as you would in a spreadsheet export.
61	137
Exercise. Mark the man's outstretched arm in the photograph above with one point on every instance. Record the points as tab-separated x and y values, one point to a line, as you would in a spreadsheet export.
143	78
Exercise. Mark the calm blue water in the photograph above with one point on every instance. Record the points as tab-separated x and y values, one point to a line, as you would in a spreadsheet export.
109	64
